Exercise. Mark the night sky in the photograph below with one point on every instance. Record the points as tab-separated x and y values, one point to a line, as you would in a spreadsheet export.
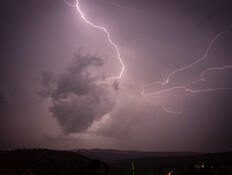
56	89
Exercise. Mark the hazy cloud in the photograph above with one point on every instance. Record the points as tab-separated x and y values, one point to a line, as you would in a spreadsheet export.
78	97
131	111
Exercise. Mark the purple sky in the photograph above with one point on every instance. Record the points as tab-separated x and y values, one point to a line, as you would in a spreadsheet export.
54	69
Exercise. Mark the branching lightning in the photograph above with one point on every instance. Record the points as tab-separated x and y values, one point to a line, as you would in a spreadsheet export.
198	60
108	36
187	87
207	70
163	92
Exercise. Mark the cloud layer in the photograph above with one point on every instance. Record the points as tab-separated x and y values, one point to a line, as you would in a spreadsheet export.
78	97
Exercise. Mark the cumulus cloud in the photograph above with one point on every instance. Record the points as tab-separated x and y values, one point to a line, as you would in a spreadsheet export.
83	100
78	96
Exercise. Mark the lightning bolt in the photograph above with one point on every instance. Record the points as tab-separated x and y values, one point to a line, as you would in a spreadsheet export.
194	82
169	111
107	34
208	70
186	87
198	60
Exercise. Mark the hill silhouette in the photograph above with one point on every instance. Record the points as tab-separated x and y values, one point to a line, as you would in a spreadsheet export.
113	154
48	162
51	162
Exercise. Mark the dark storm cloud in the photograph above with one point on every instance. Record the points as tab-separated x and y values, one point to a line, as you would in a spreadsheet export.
77	80
78	98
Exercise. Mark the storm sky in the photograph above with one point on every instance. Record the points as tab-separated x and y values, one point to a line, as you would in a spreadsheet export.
55	69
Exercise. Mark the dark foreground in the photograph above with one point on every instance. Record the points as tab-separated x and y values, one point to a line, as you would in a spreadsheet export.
50	162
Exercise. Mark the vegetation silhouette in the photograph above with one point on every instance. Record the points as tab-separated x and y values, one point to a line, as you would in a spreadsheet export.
95	167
